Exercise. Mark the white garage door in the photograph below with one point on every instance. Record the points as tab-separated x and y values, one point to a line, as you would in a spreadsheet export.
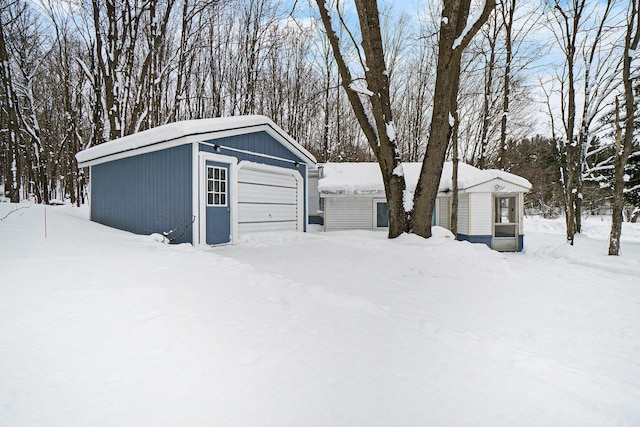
269	199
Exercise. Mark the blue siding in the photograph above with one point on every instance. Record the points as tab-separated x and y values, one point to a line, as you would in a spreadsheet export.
263	143
257	142
487	240
146	193
476	239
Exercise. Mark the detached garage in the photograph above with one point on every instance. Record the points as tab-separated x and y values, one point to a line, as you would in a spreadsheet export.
205	182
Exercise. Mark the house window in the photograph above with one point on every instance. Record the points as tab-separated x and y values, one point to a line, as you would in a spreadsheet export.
216	186
505	216
382	214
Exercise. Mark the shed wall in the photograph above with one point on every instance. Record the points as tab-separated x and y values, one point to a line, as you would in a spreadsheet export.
444	210
481	219
463	213
144	194
348	213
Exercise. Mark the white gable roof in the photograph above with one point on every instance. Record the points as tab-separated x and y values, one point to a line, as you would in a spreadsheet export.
365	178
201	129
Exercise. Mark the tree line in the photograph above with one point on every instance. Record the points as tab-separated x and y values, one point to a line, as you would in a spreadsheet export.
77	74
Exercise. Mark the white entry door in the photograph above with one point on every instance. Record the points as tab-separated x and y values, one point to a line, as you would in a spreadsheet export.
270	198
505	226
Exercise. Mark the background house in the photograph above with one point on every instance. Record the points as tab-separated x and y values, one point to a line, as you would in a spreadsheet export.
490	207
203	181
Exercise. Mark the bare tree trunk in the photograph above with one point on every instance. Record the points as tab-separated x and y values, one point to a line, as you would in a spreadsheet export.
624	144
570	22
618	184
508	10
70	139
583	136
570	170
455	35
98	71
454	175
492	38
112	89
381	133
12	125
327	115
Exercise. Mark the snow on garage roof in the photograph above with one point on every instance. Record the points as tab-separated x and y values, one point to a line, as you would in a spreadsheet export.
363	178
202	129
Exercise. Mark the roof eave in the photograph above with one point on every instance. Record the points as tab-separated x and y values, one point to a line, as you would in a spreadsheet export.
88	158
497	178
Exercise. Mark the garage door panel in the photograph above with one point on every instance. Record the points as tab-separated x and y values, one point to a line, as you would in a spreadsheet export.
251	193
256	212
268	199
267	178
274	226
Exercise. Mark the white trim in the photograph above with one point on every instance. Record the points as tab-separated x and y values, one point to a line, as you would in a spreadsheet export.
469	214
305	195
246	164
233	199
361	194
90	191
374	213
520	187
251	153
516	225
204	138
372	194
134	152
195	195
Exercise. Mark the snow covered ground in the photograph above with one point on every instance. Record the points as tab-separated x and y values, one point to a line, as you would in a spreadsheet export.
102	327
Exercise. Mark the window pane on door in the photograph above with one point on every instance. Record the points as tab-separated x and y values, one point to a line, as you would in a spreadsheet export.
505	210
216	186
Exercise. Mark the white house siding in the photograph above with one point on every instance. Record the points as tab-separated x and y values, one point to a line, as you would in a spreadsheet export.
314	195
443	212
463	213
481	218
348	213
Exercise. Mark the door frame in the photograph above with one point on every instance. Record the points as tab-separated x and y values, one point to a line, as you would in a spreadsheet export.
496	241
203	158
